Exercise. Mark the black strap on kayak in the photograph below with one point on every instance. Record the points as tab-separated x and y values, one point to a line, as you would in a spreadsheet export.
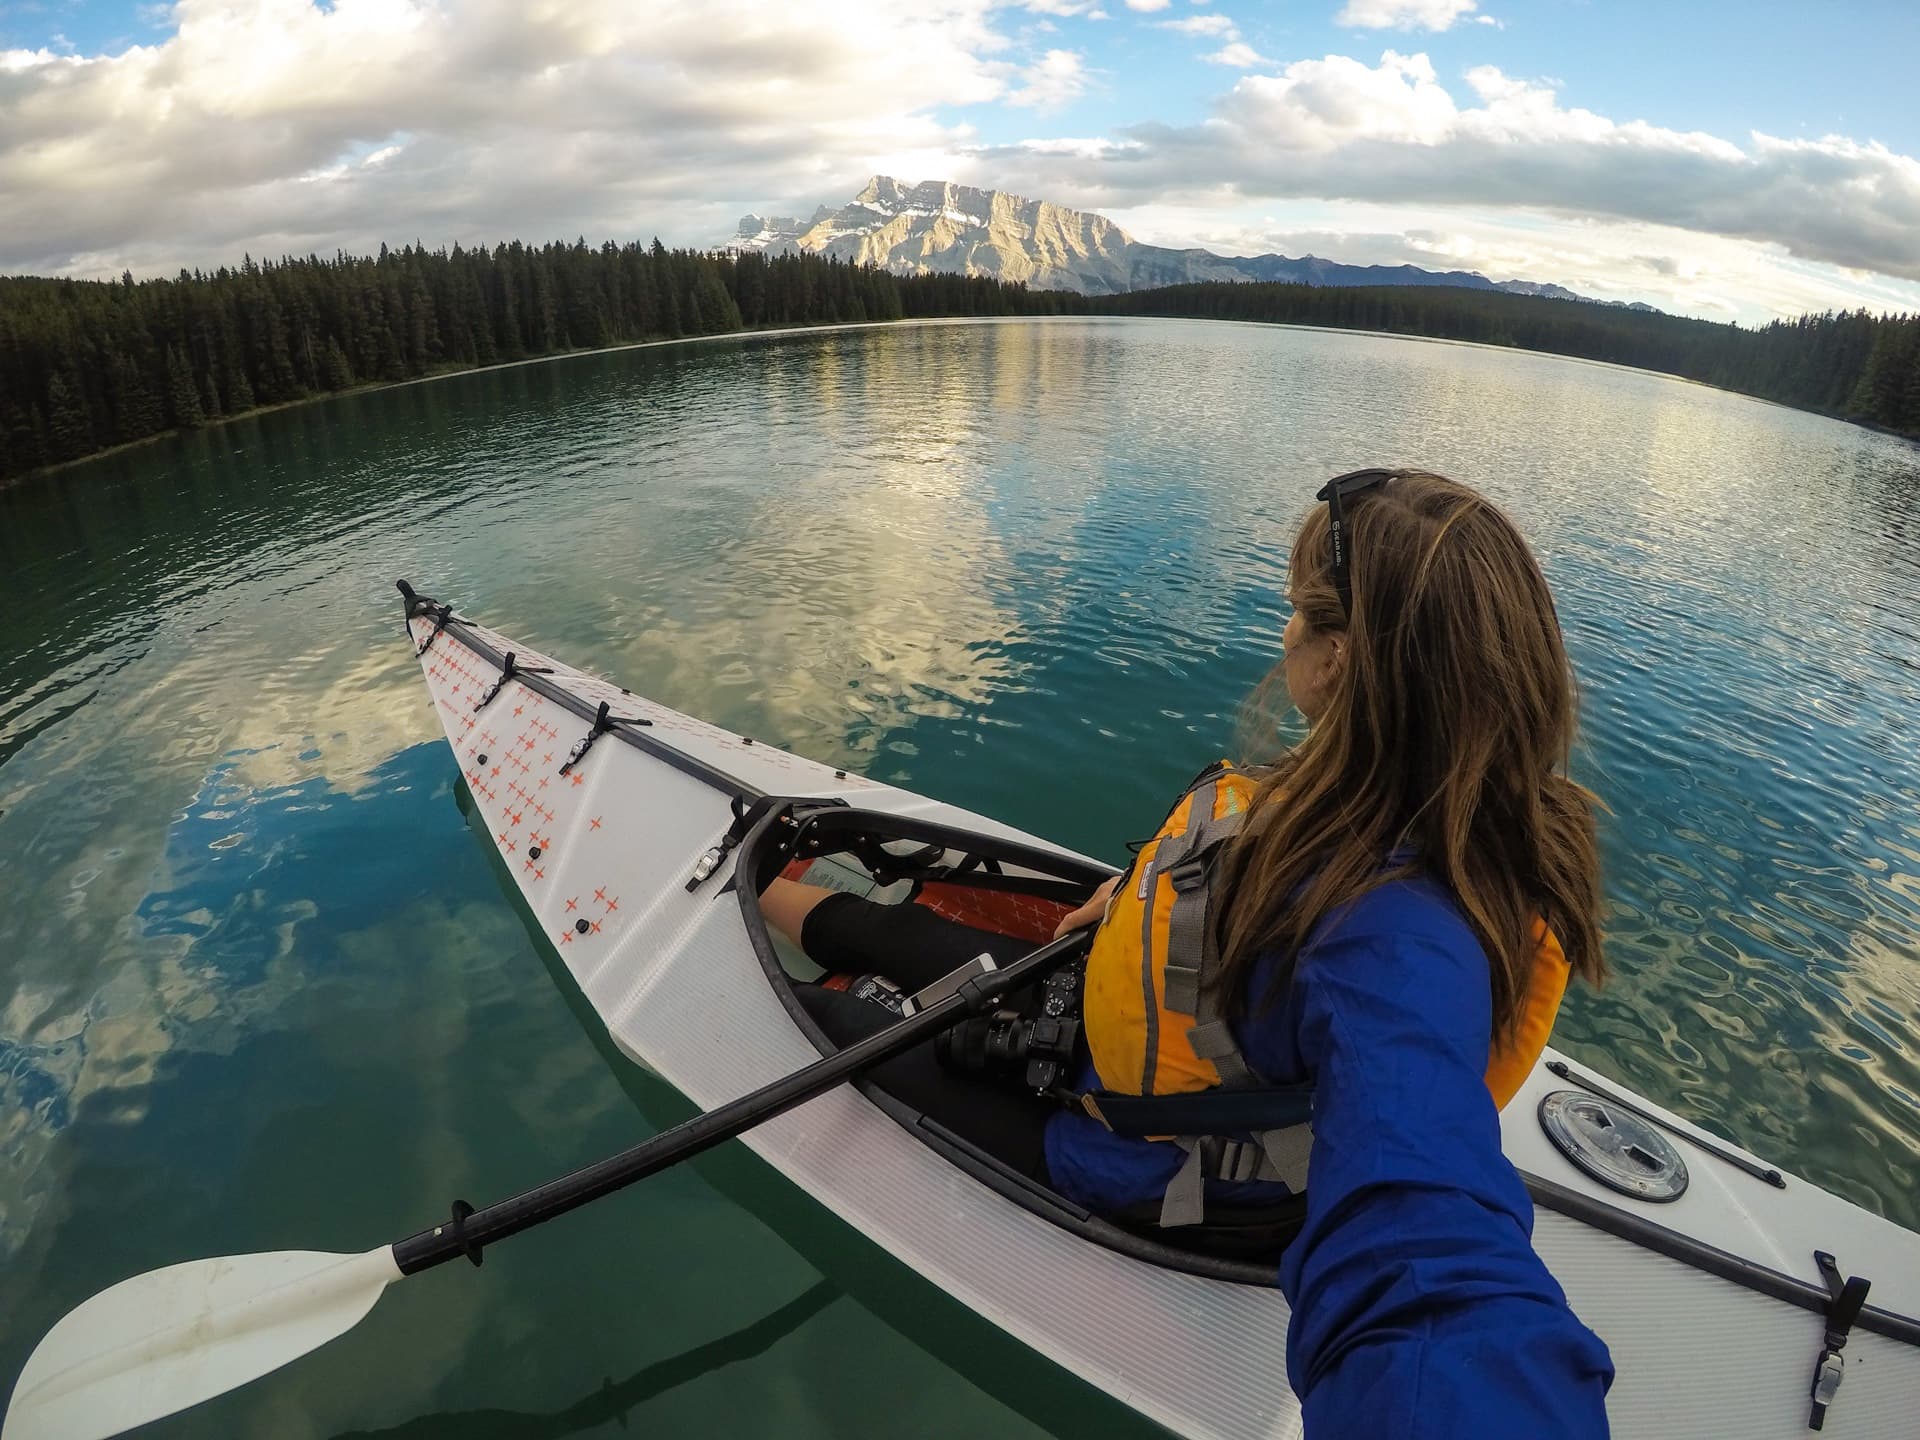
745	817
441	615
1842	1310
630	733
602	723
1206	1112
508	669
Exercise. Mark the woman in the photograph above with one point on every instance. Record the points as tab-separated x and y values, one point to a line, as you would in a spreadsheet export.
1391	912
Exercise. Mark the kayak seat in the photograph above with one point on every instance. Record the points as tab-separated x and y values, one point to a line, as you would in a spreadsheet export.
1256	1233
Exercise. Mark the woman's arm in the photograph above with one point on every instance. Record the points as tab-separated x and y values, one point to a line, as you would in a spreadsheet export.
1420	1307
1094	910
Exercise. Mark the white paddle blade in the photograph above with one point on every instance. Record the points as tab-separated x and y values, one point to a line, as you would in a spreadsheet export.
171	1338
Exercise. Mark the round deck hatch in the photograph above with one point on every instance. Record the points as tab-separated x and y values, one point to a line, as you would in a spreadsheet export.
1614	1146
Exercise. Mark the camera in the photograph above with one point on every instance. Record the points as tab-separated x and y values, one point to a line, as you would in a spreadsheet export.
1037	1050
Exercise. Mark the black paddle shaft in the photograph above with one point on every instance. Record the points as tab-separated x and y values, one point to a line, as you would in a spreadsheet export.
469	1230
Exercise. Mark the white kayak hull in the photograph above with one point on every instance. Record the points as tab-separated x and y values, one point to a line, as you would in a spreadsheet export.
1713	1337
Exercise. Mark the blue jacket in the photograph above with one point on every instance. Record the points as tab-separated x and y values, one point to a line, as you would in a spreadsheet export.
1419	1306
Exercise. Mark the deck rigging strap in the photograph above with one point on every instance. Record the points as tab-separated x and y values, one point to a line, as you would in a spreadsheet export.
602	723
537	682
745	816
441	615
1848	1297
508	669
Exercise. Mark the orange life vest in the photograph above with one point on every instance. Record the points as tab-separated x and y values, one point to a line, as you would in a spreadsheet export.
1151	1020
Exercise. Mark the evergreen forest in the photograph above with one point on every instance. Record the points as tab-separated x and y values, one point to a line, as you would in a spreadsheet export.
89	365
1851	365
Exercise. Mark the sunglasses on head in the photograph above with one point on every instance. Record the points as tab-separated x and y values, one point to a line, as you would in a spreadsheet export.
1354	482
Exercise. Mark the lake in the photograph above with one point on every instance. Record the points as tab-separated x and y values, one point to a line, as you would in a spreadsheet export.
261	989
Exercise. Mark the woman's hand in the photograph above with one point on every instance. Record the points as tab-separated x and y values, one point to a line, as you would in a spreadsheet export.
1094	910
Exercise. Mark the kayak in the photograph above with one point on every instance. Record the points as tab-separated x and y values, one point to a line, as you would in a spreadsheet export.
1736	1297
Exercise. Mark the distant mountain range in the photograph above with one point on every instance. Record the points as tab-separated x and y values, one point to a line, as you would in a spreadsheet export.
956	229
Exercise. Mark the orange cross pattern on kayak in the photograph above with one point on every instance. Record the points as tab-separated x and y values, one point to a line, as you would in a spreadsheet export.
515	817
540	874
549	757
574	903
601	894
612	905
566	937
578	778
518	708
594	824
596	927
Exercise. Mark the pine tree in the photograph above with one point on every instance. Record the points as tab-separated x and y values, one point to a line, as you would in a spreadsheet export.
69	426
135	409
335	372
183	400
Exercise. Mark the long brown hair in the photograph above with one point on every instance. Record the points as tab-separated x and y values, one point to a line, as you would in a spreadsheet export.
1448	730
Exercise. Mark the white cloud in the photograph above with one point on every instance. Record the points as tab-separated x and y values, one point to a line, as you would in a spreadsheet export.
1238	54
1055	80
1147	7
280	126
1404	14
1336	128
597	117
1216	26
1681	271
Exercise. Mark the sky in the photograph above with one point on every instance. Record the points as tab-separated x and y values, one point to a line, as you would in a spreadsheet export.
1736	161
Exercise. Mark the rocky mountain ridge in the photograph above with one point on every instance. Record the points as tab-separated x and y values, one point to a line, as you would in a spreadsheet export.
940	227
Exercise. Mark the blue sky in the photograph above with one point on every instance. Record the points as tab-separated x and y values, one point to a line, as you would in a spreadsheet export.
1789	69
1714	65
1607	146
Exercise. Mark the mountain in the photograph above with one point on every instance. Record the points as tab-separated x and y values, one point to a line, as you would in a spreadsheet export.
956	229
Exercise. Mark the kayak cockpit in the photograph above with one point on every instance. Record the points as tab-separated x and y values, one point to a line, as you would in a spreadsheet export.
992	884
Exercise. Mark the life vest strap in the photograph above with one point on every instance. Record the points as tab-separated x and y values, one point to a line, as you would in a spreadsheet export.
1191	955
1270	1155
1202	1112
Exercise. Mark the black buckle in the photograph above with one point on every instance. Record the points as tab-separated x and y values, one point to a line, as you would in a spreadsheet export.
602	722
441	615
1843	1308
1187	874
507	671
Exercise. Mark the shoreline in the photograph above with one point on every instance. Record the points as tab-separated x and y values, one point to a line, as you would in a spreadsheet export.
374	387
777	331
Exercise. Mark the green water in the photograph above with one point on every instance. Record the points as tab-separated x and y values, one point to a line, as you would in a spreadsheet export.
261	989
